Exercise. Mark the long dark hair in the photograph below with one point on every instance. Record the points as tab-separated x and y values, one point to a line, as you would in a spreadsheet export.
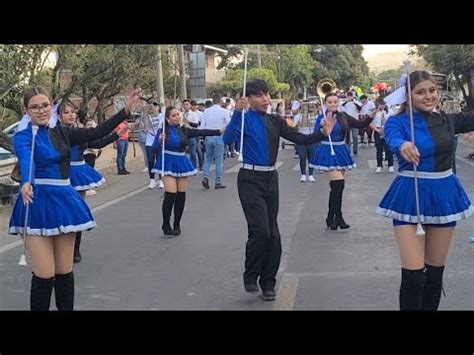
183	140
416	77
340	116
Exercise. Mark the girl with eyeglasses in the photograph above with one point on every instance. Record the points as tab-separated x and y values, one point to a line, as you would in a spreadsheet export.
56	210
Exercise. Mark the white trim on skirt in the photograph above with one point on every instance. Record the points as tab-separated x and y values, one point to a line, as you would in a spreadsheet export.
53	231
92	185
330	168
172	173
425	219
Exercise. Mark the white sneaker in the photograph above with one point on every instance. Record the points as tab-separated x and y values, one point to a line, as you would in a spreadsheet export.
145	170
378	170
303	178
161	185
311	178
391	169
91	193
152	184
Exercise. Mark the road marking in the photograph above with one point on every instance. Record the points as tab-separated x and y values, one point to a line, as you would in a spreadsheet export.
286	294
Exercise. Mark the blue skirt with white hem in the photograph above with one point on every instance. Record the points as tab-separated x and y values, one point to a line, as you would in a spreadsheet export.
177	164
84	177
442	200
56	210
323	160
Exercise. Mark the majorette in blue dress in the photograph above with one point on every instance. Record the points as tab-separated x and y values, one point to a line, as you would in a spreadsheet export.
177	163
56	208
82	176
342	160
441	196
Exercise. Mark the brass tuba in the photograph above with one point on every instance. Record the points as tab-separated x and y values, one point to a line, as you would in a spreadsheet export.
325	86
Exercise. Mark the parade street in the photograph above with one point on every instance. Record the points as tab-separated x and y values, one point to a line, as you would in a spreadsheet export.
127	263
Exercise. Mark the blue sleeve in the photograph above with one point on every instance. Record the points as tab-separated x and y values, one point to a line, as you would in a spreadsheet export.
233	128
317	124
393	131
156	143
22	145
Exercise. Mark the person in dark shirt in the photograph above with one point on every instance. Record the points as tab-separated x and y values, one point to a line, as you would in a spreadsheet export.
257	182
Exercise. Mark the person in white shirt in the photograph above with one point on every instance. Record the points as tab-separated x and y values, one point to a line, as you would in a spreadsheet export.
214	117
381	116
305	152
352	109
153	120
190	119
367	108
200	156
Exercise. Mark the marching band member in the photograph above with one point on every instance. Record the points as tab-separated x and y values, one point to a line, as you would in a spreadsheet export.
335	165
82	176
177	166
257	182
442	199
56	210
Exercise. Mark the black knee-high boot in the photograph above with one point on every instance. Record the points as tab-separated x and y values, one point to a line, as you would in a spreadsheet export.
330	222
40	295
64	291
178	211
168	203
77	245
338	189
433	287
411	289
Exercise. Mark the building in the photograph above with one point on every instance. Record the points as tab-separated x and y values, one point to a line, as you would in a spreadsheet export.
203	62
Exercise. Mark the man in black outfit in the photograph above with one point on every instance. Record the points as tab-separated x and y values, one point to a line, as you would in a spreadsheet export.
257	182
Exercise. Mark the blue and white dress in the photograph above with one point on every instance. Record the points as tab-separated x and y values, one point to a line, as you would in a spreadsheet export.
177	163
441	196
341	160
56	208
84	177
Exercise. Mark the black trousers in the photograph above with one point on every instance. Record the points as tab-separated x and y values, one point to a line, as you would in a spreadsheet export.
381	146
258	192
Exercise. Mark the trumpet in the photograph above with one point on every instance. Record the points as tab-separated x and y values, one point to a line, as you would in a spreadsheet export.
325	86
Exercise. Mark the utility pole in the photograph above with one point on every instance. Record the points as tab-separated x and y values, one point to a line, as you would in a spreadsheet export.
259	56
182	74
159	77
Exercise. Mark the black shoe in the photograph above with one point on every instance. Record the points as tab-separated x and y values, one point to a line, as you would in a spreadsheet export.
252	288
220	186
121	173
341	223
176	229
205	183
269	295
77	256
331	224
167	230
126	172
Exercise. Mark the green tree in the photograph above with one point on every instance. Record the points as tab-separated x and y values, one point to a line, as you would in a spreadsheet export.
19	64
233	82
342	63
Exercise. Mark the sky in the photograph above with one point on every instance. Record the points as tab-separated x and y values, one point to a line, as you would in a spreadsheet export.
373	49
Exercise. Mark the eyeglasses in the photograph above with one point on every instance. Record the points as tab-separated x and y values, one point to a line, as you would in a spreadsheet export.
36	108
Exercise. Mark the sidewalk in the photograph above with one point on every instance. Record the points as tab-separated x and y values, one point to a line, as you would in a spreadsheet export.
115	185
